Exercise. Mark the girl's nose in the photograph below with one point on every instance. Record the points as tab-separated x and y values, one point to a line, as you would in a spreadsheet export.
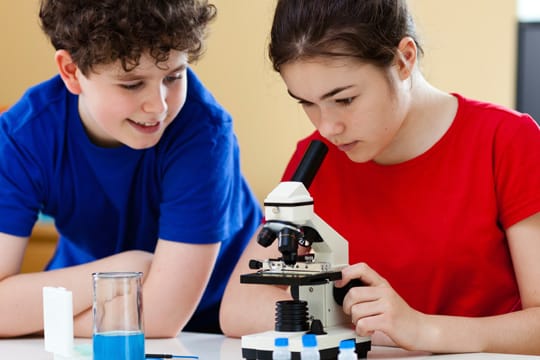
329	125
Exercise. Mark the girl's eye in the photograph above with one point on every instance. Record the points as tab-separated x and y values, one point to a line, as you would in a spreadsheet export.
304	103
346	101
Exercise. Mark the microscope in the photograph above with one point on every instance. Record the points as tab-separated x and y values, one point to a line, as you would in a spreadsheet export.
315	307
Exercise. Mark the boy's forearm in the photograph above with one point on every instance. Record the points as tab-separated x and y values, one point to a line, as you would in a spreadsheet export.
21	303
175	285
83	324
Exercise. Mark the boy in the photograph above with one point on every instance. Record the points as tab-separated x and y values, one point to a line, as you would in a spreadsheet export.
135	161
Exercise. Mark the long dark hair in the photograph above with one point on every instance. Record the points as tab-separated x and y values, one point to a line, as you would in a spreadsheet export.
369	30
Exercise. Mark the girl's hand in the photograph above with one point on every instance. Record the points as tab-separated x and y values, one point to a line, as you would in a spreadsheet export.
377	307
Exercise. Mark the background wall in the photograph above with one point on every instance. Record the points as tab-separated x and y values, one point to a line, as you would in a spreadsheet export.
470	48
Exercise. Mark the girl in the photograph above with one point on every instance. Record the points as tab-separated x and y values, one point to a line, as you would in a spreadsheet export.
438	195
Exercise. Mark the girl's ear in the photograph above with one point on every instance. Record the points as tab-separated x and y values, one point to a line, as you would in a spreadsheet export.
68	71
406	57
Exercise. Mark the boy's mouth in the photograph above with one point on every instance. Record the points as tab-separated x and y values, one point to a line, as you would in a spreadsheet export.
146	126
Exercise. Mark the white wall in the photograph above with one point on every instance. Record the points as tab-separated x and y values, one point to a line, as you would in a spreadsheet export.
528	10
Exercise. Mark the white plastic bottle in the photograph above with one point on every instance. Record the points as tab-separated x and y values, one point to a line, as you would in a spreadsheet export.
309	348
281	349
347	350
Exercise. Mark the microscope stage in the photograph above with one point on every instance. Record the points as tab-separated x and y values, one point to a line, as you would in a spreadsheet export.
290	278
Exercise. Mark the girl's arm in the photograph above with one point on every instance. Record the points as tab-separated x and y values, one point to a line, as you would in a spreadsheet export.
250	308
378	308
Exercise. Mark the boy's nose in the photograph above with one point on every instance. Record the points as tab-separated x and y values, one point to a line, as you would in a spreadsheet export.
156	102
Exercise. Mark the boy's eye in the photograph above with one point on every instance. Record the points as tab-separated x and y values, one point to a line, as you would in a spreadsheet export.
173	78
132	86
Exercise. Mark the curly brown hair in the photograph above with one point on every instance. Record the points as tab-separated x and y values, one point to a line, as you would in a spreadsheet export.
98	32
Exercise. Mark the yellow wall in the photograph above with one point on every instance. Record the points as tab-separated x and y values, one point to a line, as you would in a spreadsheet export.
25	55
470	48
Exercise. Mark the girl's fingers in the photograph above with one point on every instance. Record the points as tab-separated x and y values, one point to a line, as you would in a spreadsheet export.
360	295
361	271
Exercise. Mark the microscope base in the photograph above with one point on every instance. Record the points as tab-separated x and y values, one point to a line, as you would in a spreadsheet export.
260	346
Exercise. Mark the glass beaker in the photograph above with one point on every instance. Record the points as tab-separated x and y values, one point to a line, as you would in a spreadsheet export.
118	332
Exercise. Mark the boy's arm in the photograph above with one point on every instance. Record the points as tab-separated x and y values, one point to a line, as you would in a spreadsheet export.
21	304
250	308
12	252
175	285
172	289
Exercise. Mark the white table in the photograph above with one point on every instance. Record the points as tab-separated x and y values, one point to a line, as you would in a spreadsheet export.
217	347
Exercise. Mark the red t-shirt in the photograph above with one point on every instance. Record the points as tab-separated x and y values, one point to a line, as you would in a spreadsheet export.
434	226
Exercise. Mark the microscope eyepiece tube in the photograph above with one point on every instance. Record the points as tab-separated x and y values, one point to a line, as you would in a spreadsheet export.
310	163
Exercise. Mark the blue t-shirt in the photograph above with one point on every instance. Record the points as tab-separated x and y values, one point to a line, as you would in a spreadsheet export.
187	188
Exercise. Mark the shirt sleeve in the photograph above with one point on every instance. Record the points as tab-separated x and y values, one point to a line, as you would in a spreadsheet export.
20	175
517	170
